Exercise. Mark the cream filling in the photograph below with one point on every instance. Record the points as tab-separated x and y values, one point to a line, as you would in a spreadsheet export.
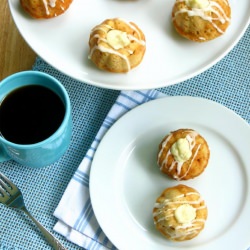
185	214
181	150
117	39
198	4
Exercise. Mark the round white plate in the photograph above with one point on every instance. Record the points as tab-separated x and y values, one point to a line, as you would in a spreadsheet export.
169	59
125	179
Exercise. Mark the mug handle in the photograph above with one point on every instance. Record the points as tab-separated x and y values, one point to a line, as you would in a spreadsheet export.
3	155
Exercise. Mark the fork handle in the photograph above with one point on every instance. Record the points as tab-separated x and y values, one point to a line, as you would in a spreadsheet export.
54	242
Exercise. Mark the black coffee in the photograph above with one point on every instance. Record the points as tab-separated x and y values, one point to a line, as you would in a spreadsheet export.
30	114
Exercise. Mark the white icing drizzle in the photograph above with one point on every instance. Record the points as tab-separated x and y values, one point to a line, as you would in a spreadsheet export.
102	27
46	6
110	51
174	231
202	38
191	139
225	2
105	28
50	4
212	8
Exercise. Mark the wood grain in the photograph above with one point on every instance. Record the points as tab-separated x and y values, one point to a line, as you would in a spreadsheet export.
15	54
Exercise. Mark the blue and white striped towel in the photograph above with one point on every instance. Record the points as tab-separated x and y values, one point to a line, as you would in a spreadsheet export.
77	221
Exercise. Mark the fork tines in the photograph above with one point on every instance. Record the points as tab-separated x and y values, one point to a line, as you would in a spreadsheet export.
3	187
6	186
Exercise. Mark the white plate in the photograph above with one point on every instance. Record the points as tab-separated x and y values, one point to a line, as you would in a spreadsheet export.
125	179
169	59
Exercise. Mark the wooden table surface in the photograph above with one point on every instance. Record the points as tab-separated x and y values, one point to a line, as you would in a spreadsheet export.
15	54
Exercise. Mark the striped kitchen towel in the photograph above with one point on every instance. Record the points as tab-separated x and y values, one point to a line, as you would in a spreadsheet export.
76	219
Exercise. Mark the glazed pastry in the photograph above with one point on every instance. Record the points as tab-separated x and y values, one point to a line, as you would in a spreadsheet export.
180	213
201	20
183	154
45	8
116	45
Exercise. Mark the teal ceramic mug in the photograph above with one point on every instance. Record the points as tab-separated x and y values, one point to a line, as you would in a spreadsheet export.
22	138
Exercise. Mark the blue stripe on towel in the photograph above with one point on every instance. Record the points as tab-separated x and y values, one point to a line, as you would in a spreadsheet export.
148	95
84	217
97	233
130	98
108	122
89	157
94	244
105	240
122	105
81	177
112	120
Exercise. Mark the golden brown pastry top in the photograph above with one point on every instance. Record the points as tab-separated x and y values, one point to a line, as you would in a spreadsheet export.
116	41
45	8
180	213
193	155
201	20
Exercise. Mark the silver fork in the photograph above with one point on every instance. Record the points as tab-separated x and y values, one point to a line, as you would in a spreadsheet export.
11	196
